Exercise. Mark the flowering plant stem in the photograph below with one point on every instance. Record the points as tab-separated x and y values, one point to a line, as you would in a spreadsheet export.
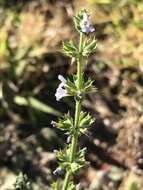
73	158
77	111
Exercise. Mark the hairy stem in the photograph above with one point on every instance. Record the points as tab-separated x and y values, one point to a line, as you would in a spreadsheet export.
77	112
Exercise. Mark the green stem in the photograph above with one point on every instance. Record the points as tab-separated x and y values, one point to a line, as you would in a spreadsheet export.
79	63
77	112
66	181
75	136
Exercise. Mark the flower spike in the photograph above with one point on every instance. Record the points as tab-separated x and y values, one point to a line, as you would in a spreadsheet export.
73	158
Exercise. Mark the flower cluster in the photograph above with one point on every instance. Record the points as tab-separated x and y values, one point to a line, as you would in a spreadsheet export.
83	25
73	158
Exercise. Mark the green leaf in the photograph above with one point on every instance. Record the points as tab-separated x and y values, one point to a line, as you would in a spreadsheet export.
36	104
88	87
61	156
78	18
75	167
85	120
89	47
78	162
70	49
80	157
56	185
71	88
66	124
71	186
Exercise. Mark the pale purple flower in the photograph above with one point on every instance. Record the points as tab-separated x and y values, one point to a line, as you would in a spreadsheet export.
85	24
54	123
61	91
58	171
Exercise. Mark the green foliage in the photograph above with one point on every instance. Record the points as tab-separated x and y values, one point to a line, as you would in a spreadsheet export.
21	62
86	87
70	49
66	124
133	186
85	120
64	159
89	47
89	87
63	156
71	186
36	104
71	87
79	160
78	18
55	185
23	183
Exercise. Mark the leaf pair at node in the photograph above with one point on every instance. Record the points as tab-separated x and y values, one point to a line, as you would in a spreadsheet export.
89	47
86	87
65	163
66	124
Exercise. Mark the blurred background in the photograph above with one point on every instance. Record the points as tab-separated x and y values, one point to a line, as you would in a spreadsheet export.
31	36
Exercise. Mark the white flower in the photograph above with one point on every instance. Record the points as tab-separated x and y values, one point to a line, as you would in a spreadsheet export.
61	91
85	24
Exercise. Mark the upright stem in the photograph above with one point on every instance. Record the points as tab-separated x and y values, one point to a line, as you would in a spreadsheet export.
66	181
77	112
